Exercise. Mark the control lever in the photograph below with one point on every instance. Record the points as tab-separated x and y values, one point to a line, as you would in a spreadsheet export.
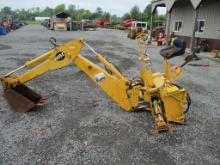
187	60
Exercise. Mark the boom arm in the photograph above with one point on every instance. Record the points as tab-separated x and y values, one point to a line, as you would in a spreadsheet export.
56	58
113	82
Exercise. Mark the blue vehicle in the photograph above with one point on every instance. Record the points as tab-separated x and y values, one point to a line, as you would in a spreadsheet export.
2	30
17	25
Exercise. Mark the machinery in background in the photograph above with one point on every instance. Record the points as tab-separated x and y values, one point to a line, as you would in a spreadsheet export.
160	39
89	25
63	22
157	30
149	91
103	22
9	23
59	21
74	25
137	29
126	24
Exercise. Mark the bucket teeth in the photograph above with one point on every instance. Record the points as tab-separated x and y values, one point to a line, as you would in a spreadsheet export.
162	128
42	102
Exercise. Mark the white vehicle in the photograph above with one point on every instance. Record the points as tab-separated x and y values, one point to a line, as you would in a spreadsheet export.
137	25
137	28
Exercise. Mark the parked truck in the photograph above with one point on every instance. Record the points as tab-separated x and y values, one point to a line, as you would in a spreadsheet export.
137	28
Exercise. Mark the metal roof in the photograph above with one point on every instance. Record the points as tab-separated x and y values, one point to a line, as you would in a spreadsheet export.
169	3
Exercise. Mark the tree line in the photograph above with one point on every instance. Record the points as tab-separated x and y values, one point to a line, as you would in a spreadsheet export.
79	13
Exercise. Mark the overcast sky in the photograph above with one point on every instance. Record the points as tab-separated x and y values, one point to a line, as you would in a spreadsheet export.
118	7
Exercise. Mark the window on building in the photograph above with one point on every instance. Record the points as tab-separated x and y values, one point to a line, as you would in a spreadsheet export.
178	26
200	26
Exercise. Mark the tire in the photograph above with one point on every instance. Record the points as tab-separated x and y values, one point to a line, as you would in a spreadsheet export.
133	35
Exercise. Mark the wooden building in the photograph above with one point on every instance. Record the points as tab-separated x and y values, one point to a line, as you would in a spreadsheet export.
192	20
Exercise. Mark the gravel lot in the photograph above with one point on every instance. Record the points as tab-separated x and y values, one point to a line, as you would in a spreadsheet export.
81	125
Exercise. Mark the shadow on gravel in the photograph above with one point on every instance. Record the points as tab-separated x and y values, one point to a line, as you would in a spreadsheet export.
4	47
102	43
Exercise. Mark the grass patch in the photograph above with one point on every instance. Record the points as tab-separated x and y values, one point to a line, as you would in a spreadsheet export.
32	22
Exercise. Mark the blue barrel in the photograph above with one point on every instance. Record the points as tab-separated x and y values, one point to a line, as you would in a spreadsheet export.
2	30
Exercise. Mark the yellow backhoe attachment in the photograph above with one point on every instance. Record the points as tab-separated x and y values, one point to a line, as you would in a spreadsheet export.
150	91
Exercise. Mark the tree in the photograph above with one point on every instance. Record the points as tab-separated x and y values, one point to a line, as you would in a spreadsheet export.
72	11
6	10
84	14
59	8
98	13
37	10
47	12
107	16
126	16
161	17
146	16
147	12
30	14
115	19
23	15
135	13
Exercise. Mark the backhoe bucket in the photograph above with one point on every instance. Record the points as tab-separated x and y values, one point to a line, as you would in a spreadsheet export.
22	99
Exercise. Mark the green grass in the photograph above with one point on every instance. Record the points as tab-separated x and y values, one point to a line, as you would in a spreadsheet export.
32	22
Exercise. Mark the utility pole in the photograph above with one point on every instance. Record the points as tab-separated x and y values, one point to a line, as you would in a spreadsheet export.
168	15
151	25
192	44
78	13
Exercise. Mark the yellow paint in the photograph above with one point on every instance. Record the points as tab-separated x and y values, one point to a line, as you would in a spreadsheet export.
152	91
173	73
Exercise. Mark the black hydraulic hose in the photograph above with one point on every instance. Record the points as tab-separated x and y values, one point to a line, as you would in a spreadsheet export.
188	99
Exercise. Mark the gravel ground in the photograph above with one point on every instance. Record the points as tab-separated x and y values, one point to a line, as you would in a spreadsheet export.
81	125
